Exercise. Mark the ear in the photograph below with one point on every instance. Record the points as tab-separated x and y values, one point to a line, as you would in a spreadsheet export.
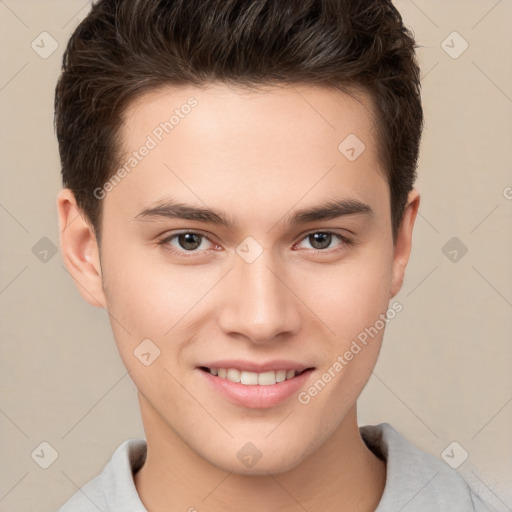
403	243
80	249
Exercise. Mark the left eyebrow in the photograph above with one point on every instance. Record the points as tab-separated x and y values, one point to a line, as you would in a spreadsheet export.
327	211
332	210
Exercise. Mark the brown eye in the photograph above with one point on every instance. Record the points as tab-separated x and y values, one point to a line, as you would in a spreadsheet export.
189	241
322	240
186	242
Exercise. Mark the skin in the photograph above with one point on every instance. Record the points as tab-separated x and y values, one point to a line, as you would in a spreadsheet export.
257	157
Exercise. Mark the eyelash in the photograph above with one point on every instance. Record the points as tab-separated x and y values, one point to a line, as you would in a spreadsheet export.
345	242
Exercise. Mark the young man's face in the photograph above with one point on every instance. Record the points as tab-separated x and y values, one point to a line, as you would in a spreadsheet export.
262	292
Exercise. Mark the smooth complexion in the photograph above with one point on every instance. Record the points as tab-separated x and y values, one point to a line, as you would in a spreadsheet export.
255	158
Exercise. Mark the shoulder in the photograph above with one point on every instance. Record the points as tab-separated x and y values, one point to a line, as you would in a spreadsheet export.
416	480
87	498
113	488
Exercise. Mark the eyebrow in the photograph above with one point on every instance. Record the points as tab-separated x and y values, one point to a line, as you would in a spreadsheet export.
333	209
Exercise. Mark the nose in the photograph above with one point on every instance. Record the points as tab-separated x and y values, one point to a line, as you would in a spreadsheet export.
259	304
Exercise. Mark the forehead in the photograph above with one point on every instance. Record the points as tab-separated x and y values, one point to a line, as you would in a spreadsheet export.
233	107
236	146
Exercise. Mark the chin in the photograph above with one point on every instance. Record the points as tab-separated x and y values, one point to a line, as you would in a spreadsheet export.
258	458
276	464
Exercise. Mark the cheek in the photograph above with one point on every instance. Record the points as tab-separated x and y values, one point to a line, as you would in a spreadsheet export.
352	302
142	292
152	299
350	295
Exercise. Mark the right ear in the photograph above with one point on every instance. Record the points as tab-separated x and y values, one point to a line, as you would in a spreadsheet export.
80	249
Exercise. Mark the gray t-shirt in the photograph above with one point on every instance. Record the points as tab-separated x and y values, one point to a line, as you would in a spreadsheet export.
415	481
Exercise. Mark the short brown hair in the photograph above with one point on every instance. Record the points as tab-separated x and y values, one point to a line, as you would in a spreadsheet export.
125	48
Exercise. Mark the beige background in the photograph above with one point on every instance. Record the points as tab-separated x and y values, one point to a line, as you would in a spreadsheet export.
445	369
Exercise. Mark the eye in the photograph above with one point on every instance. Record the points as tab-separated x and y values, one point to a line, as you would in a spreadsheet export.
186	241
192	242
321	240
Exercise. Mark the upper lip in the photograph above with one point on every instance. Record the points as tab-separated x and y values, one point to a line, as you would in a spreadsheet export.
253	366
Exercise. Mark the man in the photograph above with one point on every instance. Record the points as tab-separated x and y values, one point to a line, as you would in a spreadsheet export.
239	197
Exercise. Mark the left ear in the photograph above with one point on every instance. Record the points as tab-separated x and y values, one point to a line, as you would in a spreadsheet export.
403	243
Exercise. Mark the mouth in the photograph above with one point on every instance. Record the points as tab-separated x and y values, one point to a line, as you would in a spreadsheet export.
249	378
255	384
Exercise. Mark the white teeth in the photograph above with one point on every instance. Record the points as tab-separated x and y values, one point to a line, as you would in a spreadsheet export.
248	377
280	375
266	378
233	375
253	378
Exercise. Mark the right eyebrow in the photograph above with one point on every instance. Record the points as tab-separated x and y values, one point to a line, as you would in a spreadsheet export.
171	209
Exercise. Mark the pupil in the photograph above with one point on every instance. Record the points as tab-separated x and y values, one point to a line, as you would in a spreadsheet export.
321	240
189	240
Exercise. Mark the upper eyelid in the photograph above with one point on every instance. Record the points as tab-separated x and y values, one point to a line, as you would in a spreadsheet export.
185	231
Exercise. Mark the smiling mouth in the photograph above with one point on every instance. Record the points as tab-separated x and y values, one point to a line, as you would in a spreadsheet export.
268	378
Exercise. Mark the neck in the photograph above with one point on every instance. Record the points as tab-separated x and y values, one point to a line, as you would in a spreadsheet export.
343	474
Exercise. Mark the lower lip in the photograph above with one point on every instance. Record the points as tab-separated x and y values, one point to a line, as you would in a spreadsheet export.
256	396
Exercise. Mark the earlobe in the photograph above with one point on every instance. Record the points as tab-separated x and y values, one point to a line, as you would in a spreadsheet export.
403	245
80	249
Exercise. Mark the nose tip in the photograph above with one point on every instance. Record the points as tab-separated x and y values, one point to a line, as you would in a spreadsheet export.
258	304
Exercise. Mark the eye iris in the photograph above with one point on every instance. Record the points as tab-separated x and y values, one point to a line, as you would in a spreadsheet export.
323	239
189	240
